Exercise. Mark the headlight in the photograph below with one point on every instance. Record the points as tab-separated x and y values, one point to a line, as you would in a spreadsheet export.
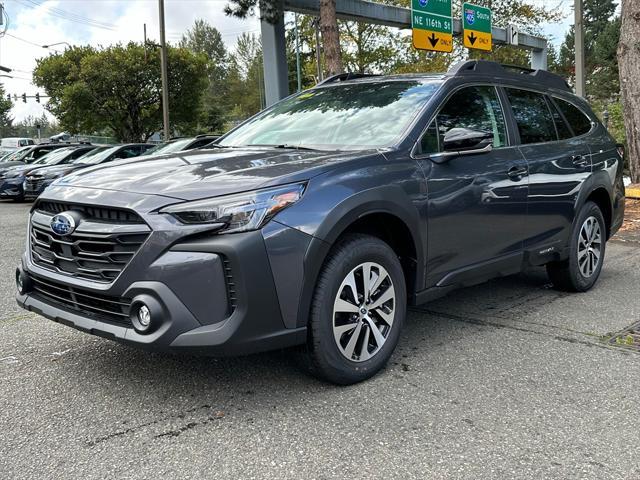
240	212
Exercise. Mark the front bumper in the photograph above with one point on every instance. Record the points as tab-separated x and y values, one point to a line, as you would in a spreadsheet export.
11	189
210	294
34	190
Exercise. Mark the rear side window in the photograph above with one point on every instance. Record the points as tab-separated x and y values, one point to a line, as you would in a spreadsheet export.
534	119
475	108
580	123
564	132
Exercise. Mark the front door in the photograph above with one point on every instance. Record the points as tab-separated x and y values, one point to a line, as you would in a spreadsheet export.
477	203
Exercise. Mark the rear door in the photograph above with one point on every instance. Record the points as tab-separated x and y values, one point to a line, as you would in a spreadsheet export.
559	162
477	202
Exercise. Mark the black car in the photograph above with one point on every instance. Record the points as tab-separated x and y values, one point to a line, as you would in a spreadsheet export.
182	144
321	218
12	180
37	181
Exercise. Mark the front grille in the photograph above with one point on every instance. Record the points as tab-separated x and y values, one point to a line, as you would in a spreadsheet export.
89	304
91	212
33	184
101	247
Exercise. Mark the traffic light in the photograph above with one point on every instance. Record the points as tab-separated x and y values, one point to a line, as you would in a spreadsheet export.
38	97
24	97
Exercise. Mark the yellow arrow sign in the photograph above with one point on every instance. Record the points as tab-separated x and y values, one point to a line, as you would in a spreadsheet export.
430	40
477	40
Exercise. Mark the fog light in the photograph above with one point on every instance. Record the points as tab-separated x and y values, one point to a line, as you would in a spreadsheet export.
23	282
144	316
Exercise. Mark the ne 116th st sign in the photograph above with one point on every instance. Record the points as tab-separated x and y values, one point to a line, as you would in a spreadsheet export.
476	27
432	25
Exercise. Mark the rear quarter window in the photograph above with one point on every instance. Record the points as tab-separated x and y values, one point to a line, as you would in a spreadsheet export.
532	115
580	123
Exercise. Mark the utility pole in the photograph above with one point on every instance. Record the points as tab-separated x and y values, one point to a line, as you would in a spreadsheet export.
165	80
316	23
295	19
579	48
144	29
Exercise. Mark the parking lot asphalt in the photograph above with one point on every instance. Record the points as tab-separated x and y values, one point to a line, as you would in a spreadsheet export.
510	379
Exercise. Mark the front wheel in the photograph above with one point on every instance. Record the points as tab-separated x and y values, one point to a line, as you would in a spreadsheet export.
586	252
358	310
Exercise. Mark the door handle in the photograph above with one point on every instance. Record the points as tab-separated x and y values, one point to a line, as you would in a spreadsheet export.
580	160
516	173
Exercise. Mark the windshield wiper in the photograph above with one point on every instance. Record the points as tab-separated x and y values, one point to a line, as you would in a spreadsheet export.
286	146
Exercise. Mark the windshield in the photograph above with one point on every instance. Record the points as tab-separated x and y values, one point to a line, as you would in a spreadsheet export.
53	157
170	147
17	155
96	156
342	116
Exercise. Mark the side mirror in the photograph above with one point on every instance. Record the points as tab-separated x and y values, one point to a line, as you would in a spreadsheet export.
464	141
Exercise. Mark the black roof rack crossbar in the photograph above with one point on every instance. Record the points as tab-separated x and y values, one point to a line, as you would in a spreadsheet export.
485	67
343	77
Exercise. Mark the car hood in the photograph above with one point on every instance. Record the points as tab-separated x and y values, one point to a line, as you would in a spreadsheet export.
209	173
4	166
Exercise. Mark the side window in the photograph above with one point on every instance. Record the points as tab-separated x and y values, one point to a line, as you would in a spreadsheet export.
579	121
474	108
532	115
562	128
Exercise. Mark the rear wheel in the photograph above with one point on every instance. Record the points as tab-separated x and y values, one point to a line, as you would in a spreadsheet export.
586	253
358	310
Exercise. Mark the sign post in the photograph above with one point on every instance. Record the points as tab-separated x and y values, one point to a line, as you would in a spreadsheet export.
476	27
432	25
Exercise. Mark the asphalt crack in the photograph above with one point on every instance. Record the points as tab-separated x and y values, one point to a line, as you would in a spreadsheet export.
217	415
486	323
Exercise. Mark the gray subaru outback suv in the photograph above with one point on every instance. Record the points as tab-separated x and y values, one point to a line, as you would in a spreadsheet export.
320	219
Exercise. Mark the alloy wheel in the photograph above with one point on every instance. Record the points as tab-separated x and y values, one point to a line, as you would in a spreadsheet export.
589	247
363	311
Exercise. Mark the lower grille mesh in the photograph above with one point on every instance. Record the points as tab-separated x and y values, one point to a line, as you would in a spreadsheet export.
100	307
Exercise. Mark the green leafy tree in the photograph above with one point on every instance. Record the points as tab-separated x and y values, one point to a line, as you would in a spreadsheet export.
206	40
5	116
246	94
119	88
601	38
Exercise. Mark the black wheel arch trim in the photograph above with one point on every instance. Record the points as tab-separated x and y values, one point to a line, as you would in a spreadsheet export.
391	200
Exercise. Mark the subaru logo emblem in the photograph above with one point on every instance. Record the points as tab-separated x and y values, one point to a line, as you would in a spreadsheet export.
63	224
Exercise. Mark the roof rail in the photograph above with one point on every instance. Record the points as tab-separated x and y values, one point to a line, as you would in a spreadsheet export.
485	67
342	77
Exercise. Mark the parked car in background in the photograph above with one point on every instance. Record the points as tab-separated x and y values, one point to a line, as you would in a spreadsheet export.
5	154
10	144
35	182
12	180
182	144
30	155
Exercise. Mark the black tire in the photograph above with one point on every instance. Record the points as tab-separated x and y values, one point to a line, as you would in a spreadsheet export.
326	359
567	275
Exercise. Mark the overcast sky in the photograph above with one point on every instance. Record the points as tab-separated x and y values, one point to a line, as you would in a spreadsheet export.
33	23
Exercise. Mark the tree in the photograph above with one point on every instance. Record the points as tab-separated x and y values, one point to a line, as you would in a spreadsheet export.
5	117
119	88
246	96
601	37
206	40
271	11
629	65
330	37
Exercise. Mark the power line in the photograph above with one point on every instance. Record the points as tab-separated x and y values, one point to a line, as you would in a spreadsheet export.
66	15
23	40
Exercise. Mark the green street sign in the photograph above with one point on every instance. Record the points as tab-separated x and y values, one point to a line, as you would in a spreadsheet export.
432	25
476	27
